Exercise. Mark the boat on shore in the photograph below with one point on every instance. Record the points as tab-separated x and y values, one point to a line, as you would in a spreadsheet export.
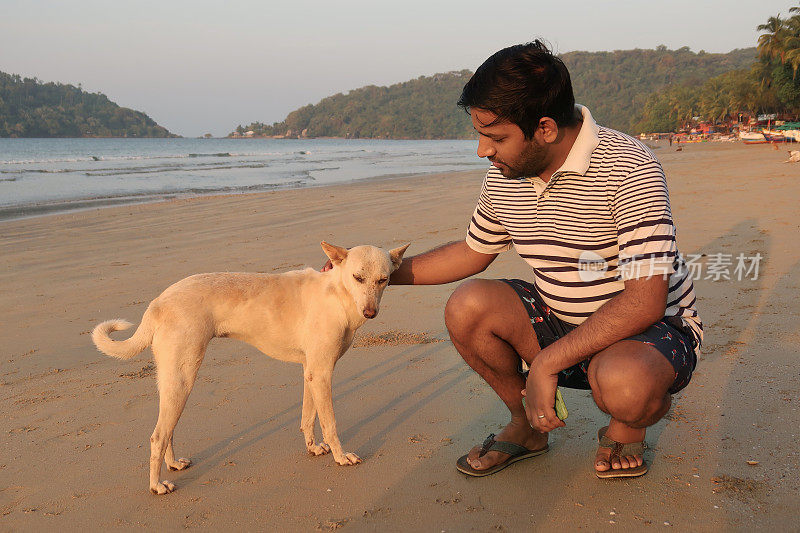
773	136
762	137
752	137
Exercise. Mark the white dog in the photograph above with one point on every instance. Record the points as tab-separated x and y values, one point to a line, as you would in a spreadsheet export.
302	316
794	156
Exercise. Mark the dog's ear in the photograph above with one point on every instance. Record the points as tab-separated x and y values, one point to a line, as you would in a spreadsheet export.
336	254
397	255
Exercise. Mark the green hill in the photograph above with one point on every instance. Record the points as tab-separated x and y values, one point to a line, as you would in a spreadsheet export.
423	108
31	108
614	85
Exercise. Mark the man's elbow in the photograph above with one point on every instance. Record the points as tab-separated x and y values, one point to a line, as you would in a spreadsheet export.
479	262
655	310
649	297
656	314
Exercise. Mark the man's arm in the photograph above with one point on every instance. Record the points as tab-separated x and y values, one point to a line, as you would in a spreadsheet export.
641	304
447	263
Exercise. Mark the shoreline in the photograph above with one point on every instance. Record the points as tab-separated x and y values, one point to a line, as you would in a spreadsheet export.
27	211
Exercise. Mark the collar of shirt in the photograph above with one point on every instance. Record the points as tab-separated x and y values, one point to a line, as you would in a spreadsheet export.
580	154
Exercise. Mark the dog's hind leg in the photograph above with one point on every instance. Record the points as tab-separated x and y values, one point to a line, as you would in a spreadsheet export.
177	370
175	464
307	423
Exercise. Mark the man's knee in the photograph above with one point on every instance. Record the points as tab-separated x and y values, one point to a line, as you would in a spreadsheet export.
630	383
467	306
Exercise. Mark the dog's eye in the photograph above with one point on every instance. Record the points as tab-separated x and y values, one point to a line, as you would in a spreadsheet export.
382	281
358	278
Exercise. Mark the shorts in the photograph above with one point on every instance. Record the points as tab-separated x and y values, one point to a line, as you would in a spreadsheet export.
669	336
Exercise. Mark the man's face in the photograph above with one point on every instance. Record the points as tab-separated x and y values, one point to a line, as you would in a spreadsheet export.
505	146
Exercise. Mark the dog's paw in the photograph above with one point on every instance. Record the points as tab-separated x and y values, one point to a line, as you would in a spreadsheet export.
319	449
349	459
180	464
165	487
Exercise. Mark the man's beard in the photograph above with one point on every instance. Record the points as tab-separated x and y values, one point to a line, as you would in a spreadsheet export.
531	162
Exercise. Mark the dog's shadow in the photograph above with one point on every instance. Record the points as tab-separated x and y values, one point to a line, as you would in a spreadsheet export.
214	455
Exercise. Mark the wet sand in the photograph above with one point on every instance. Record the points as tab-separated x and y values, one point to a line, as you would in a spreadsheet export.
76	424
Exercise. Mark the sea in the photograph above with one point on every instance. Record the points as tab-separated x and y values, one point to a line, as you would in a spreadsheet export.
43	176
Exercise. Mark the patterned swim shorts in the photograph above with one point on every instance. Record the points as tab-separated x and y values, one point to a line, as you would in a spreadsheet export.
669	336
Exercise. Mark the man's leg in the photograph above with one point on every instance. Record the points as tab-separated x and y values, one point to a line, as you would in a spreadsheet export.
490	328
630	381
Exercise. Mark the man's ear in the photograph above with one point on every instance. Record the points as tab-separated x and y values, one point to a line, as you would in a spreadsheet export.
336	254
548	129
397	255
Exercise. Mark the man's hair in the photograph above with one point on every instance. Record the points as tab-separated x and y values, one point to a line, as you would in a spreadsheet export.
521	84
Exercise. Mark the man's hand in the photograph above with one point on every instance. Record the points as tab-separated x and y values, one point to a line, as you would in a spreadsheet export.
540	391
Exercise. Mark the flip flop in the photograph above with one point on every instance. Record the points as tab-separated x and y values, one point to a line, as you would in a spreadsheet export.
515	453
618	450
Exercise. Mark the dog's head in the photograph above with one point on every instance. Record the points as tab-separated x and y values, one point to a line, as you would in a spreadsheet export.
365	272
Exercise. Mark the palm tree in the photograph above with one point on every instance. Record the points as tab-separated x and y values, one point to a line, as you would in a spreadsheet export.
791	42
770	44
714	100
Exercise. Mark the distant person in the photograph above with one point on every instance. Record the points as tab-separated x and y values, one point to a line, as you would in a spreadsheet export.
670	140
607	304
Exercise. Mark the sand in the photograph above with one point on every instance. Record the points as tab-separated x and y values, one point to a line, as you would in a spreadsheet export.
75	424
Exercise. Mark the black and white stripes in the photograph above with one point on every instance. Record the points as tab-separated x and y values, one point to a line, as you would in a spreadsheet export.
602	218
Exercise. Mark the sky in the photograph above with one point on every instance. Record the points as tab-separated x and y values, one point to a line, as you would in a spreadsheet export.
207	66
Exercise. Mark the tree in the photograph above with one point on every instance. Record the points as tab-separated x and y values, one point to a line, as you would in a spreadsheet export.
779	54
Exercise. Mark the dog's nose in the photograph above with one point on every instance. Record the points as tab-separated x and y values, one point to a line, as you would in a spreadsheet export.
370	313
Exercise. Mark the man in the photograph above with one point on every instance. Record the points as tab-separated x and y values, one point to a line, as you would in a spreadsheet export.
610	307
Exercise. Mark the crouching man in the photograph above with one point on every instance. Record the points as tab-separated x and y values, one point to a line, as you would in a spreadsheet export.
608	304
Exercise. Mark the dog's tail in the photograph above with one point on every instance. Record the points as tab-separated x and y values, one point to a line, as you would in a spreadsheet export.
122	349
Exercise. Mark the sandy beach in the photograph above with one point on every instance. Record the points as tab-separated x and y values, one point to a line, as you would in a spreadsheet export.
75	424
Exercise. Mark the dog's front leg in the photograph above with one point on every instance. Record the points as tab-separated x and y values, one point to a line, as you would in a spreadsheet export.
318	378
307	421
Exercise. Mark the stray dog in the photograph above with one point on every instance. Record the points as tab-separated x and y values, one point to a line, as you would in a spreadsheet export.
301	316
794	156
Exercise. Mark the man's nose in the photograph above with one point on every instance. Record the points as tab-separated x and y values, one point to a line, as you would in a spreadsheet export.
485	148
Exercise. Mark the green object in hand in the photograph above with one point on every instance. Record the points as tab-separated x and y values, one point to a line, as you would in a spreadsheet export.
561	407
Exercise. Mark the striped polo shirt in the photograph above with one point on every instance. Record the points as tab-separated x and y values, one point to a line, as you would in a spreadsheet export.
603	217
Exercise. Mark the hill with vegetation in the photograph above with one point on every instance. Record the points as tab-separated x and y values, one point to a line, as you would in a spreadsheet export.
423	108
614	85
32	108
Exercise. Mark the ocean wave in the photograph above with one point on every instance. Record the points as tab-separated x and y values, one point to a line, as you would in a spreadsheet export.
217	154
247	188
176	168
256	154
45	161
38	161
38	171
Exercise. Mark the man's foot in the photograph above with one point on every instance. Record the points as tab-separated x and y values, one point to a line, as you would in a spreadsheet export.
606	460
520	433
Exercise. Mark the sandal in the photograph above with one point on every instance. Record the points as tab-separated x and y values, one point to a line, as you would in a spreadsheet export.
515	453
618	450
